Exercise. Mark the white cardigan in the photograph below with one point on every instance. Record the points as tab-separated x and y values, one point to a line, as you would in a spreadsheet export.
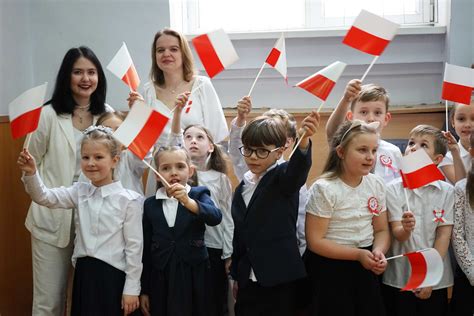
54	148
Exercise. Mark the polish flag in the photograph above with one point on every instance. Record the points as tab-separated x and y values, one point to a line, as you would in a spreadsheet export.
426	269
141	129
457	84
321	83
122	66
215	51
417	169
370	33
277	57
25	111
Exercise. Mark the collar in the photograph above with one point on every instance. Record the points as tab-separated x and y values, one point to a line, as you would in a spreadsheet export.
435	184
249	176
107	189
161	193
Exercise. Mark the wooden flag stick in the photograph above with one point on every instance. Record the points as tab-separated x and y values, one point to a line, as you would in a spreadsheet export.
368	69
304	133
256	78
447	121
158	174
27	141
399	256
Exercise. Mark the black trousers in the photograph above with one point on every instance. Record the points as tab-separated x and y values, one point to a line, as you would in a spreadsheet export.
462	302
405	303
257	300
218	281
97	288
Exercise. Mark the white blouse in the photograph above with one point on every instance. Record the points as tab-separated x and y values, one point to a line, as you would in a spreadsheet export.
108	222
349	209
388	161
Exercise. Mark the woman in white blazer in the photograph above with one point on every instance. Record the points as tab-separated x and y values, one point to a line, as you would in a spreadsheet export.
78	99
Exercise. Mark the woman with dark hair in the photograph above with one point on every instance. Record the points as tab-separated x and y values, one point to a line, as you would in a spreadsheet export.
78	99
172	73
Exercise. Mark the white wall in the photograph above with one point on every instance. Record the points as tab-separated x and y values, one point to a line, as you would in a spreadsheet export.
35	34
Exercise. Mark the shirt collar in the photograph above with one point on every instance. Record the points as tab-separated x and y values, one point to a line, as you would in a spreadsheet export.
249	175
435	184
107	189
161	193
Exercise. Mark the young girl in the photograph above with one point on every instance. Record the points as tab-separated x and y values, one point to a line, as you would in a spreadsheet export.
109	238
457	161
175	279
211	173
346	226
130	168
463	243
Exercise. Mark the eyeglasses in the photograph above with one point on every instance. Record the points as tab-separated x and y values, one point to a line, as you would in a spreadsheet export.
358	123
261	153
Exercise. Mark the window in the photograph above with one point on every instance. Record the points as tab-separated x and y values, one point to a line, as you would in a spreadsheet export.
200	16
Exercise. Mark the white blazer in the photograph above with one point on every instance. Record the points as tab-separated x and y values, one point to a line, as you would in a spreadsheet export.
54	148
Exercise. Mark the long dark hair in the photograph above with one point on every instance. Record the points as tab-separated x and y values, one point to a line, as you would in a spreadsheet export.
62	100
470	177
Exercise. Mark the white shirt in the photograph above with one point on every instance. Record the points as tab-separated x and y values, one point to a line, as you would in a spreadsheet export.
78	136
108	222
220	236
240	168
388	161
205	110
169	205
465	157
463	231
348	208
436	196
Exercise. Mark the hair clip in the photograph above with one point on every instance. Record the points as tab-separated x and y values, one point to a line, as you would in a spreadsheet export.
101	128
357	123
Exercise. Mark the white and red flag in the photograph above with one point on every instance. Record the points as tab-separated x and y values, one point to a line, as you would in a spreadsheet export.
426	269
141	128
277	57
458	84
122	66
321	83
370	33
215	51
25	111
417	169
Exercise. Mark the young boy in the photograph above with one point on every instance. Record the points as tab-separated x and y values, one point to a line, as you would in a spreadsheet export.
368	103
266	263
244	108
427	224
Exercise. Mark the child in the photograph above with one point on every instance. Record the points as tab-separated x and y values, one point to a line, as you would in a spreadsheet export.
130	168
266	263
346	226
427	224
463	243
176	278
244	107
458	160
109	238
211	173
368	103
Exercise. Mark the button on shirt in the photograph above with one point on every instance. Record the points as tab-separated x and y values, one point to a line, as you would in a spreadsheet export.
436	196
169	204
347	208
108	222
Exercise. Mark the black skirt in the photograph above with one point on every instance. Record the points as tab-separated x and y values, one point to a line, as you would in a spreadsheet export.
97	288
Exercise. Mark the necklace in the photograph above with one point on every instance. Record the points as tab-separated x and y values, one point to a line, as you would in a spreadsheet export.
173	90
83	109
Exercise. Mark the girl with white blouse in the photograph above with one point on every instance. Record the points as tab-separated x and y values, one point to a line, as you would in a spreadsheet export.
109	238
210	163
346	226
463	242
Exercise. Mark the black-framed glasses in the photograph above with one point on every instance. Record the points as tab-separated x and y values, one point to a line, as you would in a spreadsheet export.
261	153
